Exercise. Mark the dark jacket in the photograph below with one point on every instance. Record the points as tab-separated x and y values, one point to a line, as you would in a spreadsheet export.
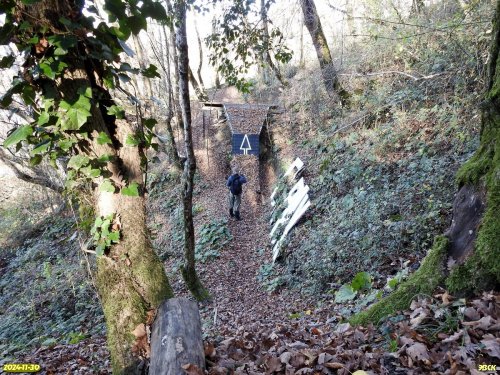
230	180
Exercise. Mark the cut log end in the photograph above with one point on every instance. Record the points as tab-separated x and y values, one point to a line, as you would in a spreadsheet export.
176	339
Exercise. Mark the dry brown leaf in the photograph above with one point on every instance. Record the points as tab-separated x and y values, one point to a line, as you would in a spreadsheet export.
285	357
41	46
139	331
446	298
316	332
273	364
471	313
191	369
210	351
418	352
454	337
491	345
334	365
310	354
324	357
343	327
298	360
485	323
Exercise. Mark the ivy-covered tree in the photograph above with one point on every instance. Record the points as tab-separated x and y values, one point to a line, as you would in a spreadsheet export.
70	65
238	43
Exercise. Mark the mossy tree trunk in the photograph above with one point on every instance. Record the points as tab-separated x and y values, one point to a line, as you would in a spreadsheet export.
313	24
479	265
474	237
130	277
188	270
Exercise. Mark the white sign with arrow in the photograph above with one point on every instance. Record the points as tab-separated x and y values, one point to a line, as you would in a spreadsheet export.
245	145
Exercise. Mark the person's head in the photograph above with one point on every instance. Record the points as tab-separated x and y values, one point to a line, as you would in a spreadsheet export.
235	169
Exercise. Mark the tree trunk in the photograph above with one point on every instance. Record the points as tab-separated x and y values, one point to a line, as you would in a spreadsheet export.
217	75
176	338
302	62
130	277
177	106
34	176
330	78
198	90
188	270
200	48
266	56
349	8
479	261
165	65
147	90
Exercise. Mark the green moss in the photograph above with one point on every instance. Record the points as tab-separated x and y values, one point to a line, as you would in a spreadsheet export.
149	272
124	309
423	281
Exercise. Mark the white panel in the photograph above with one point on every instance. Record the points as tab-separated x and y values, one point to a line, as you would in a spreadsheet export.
297	202
297	165
296	216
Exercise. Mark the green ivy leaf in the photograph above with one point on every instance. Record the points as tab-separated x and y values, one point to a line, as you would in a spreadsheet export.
131	141
5	33
114	236
76	114
154	9
125	67
7	62
345	293
131	190
136	23
78	161
116	111
18	135
99	250
362	280
35	160
28	95
150	123
43	118
65	144
107	186
103	138
150	72
41	148
115	9
104	158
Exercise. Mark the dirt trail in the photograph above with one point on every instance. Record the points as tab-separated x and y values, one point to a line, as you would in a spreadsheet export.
239	299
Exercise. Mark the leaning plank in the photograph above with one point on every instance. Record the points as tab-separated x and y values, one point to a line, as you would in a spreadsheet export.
176	338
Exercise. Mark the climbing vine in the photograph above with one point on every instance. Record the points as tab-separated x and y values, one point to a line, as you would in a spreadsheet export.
53	49
238	43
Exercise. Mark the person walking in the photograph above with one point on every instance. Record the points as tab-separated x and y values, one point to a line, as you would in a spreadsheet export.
235	184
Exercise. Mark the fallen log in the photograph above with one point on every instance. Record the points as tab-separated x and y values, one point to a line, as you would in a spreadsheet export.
176	339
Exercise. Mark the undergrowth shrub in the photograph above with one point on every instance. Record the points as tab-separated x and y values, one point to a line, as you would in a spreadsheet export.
383	171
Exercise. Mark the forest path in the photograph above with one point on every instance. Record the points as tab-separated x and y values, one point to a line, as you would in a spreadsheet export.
239	298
